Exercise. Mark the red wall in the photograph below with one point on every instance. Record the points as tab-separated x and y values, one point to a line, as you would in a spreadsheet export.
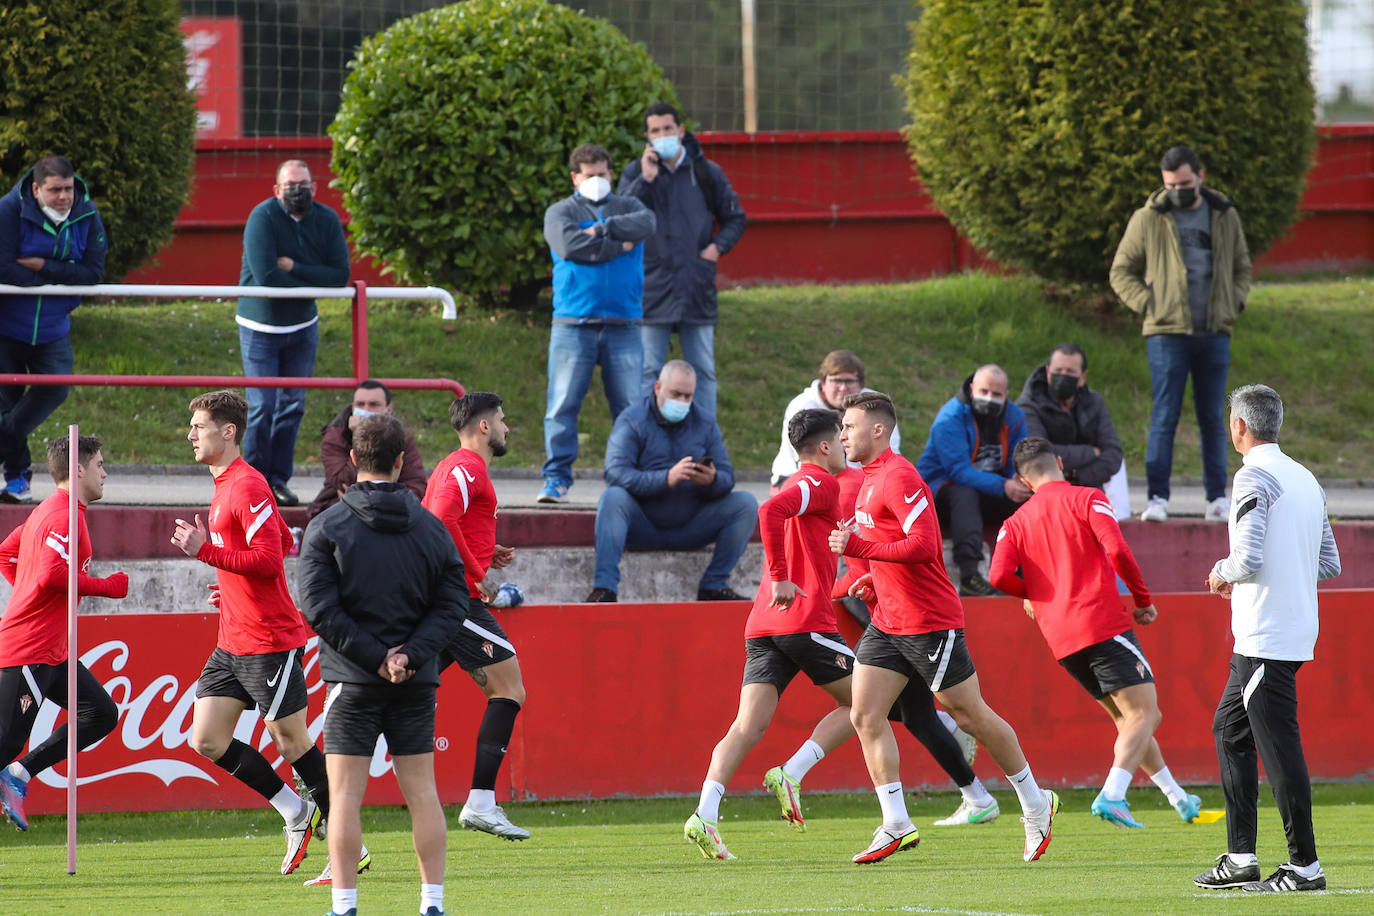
823	207
630	699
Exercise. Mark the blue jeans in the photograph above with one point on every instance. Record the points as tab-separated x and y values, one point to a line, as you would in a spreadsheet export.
22	410
275	414
1173	357
621	525
574	351
698	348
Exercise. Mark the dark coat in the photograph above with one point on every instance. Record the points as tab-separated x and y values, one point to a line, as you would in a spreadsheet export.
340	473
1075	431
377	570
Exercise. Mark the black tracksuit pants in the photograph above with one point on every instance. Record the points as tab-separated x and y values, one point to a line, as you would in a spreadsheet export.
964	512
1259	710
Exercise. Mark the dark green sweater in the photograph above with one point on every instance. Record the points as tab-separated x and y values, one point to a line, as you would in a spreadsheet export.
316	243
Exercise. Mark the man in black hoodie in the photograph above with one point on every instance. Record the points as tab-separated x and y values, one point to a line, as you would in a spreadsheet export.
1061	407
382	584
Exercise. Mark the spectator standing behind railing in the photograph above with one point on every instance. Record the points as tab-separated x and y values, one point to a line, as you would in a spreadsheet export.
50	232
289	240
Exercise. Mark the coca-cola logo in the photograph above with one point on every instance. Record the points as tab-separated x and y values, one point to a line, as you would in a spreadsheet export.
155	720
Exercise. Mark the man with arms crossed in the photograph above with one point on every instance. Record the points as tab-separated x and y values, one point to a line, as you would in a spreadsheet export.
257	657
1281	544
33	632
917	631
460	493
1069	549
382	584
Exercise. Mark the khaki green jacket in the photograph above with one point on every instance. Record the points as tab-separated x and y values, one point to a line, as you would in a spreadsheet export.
1149	275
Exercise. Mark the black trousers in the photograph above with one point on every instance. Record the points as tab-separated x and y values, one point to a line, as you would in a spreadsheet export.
1259	710
964	512
22	691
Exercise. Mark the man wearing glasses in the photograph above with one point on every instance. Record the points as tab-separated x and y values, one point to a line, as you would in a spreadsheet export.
289	240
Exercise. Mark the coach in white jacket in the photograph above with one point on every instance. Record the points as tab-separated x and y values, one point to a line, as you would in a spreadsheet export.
841	374
1281	545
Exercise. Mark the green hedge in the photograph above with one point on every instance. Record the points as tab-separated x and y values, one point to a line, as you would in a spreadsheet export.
1038	127
455	128
102	82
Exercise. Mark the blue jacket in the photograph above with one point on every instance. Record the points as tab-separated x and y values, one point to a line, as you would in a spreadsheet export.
643	446
73	254
593	275
315	243
679	284
954	441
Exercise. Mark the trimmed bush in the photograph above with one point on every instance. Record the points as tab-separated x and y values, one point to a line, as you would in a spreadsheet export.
1038	128
102	82
455	128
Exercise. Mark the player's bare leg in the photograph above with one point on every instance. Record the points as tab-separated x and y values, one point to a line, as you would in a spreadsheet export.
875	690
1135	710
504	689
834	729
415	776
757	703
965	703
292	736
348	781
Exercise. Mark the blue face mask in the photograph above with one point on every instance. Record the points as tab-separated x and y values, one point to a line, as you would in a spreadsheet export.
667	147
675	411
359	412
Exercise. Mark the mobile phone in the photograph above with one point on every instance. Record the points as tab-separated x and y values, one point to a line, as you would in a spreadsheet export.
706	462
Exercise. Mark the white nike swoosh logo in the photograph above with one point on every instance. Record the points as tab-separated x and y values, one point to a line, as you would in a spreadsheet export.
814	481
255	509
931	657
912	498
272	682
470	478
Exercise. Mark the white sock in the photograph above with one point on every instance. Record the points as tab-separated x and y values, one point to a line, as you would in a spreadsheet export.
975	793
481	799
344	900
709	806
1307	871
18	772
893	802
1118	781
807	756
946	720
289	805
1171	789
1242	859
431	895
1031	796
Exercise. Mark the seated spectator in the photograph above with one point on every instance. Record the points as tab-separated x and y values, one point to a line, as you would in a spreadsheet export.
370	399
841	374
670	486
1060	407
967	465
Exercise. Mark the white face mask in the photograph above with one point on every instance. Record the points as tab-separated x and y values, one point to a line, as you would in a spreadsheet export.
54	215
595	188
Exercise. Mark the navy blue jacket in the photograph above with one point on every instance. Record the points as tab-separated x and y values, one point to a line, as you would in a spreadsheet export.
316	243
643	446
954	441
679	284
73	254
593	275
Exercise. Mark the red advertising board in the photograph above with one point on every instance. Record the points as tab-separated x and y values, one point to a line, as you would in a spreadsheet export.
618	705
214	71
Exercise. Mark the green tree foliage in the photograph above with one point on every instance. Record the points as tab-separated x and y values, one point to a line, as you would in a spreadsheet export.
102	82
1038	127
455	128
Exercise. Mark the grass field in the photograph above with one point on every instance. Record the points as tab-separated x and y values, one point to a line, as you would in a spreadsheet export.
628	857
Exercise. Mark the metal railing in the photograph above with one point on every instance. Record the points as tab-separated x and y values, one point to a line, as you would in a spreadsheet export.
359	292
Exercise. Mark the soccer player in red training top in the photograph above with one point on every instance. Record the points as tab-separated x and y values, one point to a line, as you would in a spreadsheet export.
1068	547
917	631
33	632
461	495
257	656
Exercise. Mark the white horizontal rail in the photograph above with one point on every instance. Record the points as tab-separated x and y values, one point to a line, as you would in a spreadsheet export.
184	291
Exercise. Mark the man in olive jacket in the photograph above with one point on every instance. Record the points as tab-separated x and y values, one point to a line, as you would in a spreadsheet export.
1183	267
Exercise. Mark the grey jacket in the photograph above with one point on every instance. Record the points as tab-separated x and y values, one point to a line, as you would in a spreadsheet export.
679	284
1074	432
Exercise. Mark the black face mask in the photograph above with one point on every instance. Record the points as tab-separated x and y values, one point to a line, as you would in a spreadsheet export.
297	200
987	408
1183	198
1063	386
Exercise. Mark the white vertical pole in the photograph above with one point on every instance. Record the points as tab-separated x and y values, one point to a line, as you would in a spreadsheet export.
751	99
73	569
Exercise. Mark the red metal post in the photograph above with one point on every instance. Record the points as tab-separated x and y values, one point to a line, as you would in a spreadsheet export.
360	368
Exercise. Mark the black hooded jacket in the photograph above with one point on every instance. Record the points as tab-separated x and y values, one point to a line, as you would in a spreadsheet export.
377	570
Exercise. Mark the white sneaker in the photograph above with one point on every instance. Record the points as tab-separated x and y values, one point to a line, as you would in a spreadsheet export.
1218	510
494	822
969	813
1039	827
327	876
1156	511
